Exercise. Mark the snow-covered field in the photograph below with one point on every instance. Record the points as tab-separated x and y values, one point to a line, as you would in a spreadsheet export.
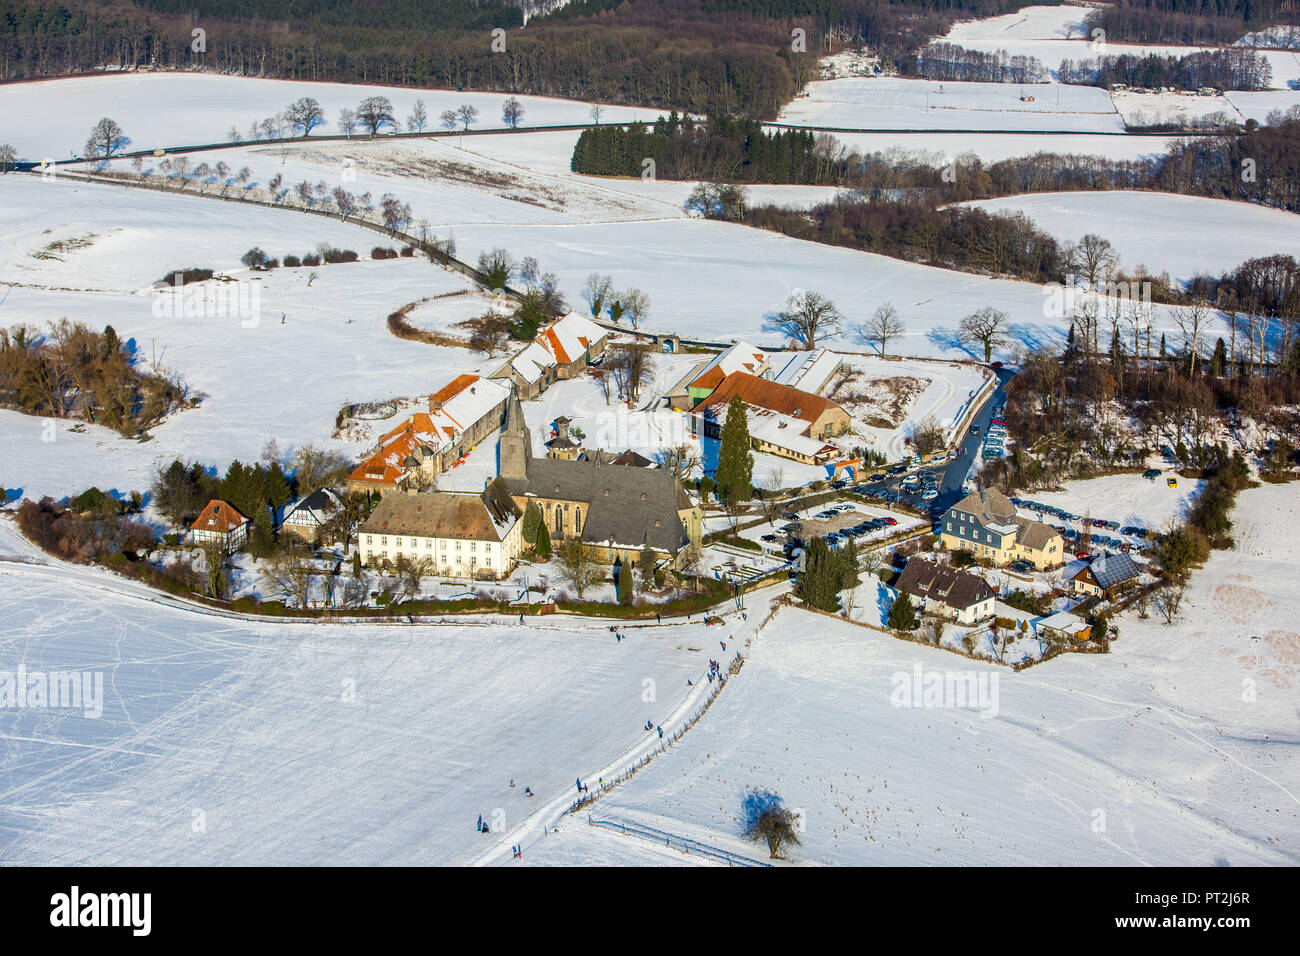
281	370
992	147
231	743
1053	34
893	103
1180	235
158	110
1175	749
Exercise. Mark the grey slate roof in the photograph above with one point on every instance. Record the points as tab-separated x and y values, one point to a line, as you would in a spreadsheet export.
958	589
487	516
989	506
625	505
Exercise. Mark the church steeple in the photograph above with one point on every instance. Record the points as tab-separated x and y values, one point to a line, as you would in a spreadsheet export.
516	447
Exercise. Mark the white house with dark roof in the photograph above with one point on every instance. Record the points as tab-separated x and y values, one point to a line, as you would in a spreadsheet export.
465	535
305	517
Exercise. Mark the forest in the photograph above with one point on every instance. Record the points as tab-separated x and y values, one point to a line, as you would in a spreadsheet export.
1188	21
722	148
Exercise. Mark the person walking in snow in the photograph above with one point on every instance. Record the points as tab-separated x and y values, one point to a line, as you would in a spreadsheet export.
661	732
528	791
512	784
479	827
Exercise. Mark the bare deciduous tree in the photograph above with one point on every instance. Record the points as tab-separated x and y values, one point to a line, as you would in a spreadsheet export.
883	325
807	316
986	327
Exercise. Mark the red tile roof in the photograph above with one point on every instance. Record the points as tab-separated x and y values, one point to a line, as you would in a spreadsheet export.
451	390
219	517
764	394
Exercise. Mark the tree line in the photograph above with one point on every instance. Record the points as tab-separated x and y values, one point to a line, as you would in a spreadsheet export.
667	53
1230	69
1187	21
723	148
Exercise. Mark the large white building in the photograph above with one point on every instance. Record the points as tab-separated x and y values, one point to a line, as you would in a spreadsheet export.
462	535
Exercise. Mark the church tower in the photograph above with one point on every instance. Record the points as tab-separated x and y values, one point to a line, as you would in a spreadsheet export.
516	441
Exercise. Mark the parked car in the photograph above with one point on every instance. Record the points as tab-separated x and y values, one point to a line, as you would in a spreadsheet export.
770	539
975	429
1020	567
889	521
1171	481
876	477
929	494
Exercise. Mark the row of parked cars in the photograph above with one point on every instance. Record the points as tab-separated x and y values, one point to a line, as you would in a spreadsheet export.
1098	524
995	439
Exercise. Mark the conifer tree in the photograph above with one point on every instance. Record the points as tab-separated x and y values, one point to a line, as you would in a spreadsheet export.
735	473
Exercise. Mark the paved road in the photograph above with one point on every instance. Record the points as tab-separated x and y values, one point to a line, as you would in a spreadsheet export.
951	475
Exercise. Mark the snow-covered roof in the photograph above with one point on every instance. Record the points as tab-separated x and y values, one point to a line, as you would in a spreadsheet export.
783	431
569	337
809	371
741	357
532	362
1062	621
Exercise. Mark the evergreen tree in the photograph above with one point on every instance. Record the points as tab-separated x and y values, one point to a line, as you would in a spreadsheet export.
902	613
356	565
735	470
625	583
543	542
819	581
1219	361
277	486
532	522
646	563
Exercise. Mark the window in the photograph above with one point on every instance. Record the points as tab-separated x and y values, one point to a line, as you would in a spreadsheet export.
487	562
577	518
383	541
473	545
397	542
370	539
458	545
949	525
443	545
559	518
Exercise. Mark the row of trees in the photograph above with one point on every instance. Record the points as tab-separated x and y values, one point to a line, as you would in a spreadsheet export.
1229	69
948	61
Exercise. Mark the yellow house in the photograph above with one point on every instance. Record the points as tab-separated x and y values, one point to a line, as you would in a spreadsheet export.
986	524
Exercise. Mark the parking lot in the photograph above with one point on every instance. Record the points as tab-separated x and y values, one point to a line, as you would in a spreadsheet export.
1107	533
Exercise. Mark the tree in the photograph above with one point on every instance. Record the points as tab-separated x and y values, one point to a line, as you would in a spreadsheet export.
466	114
409	572
636	305
735	471
489	332
806	316
645	564
767	821
497	267
106	138
347	120
290	575
986	327
902	613
7	157
315	468
448	119
819	580
543	548
532	523
625	583
255	258
305	114
512	111
419	118
1095	258
578	564
630	365
927	436
725	201
374	113
597	289
883	325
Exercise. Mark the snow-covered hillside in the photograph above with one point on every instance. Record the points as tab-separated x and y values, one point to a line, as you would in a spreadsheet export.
1178	748
1180	235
